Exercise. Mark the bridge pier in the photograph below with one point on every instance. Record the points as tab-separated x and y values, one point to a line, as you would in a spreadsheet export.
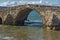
19	23
52	27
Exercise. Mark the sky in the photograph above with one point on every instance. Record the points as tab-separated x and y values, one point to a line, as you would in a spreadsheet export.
17	2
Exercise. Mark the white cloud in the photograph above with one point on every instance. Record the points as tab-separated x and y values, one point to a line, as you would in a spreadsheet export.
4	4
47	3
7	3
30	2
13	3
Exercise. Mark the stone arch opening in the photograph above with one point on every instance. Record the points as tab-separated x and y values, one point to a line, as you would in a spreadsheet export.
55	22
33	19
9	20
22	16
0	20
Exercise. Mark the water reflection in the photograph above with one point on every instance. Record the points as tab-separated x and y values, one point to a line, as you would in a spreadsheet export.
20	33
27	33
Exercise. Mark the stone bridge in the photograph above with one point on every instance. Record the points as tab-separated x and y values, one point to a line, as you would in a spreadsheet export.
16	15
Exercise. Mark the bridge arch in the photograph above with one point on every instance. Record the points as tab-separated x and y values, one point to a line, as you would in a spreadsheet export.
9	20
23	14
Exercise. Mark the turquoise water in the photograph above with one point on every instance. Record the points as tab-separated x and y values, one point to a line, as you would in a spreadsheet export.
34	16
33	24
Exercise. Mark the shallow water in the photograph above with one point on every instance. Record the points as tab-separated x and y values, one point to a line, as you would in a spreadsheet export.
20	33
27	33
33	24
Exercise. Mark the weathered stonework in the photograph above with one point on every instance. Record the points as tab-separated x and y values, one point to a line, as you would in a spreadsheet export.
50	14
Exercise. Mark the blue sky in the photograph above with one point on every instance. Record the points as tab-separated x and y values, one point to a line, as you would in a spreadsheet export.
32	0
45	2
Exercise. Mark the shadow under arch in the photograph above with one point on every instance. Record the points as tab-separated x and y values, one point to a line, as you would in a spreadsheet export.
55	22
0	20
22	15
9	20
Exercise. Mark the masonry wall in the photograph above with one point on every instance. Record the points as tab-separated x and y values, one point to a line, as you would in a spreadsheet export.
50	14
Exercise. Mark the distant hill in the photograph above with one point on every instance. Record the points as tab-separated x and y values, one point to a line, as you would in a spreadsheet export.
3	7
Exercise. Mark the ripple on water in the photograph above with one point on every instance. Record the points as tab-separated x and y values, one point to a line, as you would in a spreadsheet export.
21	33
